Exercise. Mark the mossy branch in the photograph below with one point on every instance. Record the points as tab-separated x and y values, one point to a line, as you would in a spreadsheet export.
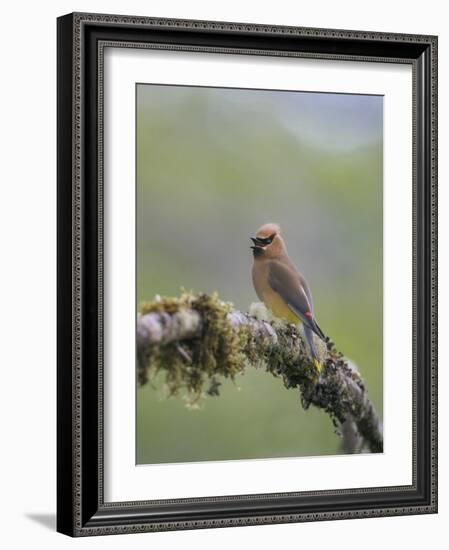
196	339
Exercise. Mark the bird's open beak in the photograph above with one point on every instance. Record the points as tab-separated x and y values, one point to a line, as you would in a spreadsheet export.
257	243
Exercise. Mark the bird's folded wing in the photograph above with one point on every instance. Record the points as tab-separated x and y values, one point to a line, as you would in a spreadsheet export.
287	283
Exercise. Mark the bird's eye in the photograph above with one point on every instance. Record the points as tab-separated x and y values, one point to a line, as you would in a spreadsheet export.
266	240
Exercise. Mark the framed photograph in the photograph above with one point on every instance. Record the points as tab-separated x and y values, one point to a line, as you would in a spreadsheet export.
247	278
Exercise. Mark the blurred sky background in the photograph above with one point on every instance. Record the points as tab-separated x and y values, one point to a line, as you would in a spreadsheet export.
214	164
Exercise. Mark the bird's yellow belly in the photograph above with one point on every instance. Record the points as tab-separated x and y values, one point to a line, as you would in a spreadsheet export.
279	308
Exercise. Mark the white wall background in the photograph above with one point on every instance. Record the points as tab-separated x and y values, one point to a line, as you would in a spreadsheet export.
27	273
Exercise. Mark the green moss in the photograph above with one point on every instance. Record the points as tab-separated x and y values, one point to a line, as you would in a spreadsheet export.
167	304
194	366
290	360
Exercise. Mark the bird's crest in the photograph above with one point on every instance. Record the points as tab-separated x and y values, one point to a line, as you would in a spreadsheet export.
268	229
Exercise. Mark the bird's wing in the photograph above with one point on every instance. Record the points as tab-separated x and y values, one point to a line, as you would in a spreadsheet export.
306	289
294	291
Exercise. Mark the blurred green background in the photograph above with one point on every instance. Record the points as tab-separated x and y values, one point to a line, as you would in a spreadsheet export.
213	165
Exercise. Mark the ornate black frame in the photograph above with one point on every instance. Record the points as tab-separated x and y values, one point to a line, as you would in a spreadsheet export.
81	509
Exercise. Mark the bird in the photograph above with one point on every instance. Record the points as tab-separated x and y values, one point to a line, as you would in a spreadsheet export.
281	287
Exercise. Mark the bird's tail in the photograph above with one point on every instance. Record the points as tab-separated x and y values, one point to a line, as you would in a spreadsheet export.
309	337
317	330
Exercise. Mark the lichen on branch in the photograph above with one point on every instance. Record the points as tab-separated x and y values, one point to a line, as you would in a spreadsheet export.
197	340
203	345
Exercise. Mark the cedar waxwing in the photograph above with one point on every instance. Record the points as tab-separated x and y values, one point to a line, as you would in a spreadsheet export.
281	286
